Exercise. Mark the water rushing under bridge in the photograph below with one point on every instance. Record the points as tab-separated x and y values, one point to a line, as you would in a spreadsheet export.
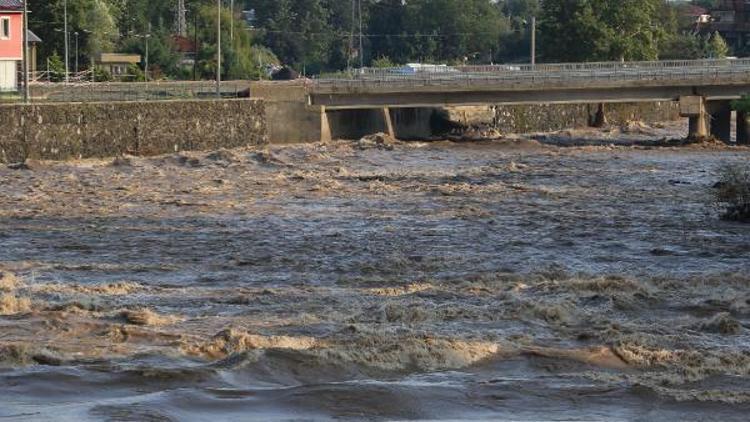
703	86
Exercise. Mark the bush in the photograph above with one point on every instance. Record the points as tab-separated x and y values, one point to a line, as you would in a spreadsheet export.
56	68
733	192
742	104
383	62
135	74
102	75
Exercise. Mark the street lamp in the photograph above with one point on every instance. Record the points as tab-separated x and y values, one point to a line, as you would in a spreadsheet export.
26	94
533	42
67	41
532	31
146	38
76	34
218	48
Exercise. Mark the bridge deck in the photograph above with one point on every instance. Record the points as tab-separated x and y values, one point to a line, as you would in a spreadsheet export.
539	77
550	83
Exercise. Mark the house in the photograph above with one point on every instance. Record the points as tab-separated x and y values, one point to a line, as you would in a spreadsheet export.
186	48
34	42
731	18
11	43
696	16
116	63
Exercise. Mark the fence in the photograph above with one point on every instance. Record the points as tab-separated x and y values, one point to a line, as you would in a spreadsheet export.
538	74
133	91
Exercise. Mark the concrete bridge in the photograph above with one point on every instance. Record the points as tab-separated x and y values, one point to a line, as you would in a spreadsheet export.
704	89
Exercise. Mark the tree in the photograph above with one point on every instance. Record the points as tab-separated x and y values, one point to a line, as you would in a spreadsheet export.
437	30
56	68
96	21
594	30
239	58
717	48
682	46
382	62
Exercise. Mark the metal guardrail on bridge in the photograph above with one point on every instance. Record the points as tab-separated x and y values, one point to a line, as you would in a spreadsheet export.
559	73
133	91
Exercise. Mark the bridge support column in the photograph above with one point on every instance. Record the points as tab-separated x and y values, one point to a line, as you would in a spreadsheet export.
388	122
743	128
325	126
694	108
600	118
721	120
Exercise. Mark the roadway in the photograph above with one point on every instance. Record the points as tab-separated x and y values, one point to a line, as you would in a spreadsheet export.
723	79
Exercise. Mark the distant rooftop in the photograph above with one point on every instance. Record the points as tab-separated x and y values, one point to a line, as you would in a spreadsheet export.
11	5
119	58
32	37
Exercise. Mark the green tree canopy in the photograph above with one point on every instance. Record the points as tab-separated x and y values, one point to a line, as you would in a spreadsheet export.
600	30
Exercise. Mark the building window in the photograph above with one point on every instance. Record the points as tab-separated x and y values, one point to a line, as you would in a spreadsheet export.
5	28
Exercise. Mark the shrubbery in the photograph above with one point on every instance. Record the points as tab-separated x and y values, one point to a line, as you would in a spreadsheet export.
733	192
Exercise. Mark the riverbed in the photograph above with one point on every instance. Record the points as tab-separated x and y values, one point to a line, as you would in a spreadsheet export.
570	276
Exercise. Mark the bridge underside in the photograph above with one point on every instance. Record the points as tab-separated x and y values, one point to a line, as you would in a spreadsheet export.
412	99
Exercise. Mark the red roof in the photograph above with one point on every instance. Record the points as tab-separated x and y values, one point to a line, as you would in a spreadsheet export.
11	5
183	44
693	10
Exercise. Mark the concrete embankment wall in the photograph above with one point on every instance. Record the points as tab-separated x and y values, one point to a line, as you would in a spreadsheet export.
289	119
60	131
550	117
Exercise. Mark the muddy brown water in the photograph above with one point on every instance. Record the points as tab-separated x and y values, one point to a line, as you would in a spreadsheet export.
504	280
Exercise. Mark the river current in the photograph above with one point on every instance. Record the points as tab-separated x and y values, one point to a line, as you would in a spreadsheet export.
558	277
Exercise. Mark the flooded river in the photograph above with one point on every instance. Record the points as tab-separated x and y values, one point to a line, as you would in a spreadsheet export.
508	279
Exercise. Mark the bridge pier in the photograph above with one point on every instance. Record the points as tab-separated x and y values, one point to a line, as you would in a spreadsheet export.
694	108
388	122
720	113
325	126
743	128
599	119
355	123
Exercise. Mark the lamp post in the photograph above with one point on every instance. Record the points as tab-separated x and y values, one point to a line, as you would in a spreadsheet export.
361	48
67	61
533	41
145	67
145	37
26	96
76	67
218	48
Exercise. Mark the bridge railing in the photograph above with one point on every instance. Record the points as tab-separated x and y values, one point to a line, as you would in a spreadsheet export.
553	72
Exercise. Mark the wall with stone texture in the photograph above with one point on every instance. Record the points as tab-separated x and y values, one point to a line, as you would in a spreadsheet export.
550	117
61	131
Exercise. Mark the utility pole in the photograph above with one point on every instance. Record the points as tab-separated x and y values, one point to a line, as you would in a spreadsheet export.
67	61
351	37
231	21
76	61
145	67
218	48
361	50
533	42
195	47
26	94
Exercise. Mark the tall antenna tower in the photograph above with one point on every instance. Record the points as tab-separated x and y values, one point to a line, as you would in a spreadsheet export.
180	21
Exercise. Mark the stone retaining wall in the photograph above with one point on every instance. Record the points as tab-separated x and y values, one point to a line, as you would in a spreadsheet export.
60	131
550	117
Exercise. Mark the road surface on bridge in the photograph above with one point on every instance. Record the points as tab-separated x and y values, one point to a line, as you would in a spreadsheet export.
721	79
